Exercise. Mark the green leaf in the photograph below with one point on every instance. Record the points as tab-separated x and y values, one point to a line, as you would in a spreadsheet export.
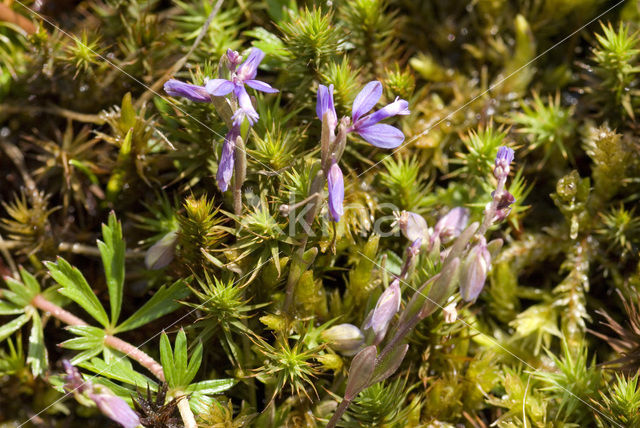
8	308
75	287
7	329
162	303
166	359
194	364
37	354
214	386
180	356
21	295
30	282
87	337
112	251
119	369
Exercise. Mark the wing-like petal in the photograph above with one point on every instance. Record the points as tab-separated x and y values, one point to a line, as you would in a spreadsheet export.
219	87
176	88
261	86
366	99
382	135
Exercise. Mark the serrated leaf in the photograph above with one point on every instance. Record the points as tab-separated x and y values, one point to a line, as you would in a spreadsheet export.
112	251
162	303
166	359
9	328
214	386
37	353
75	286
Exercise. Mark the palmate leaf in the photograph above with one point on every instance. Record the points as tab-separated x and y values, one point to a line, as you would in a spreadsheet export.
178	368
75	286
89	340
120	369
112	251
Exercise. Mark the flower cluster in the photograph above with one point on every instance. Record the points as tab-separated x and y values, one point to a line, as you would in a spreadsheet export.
366	125
241	75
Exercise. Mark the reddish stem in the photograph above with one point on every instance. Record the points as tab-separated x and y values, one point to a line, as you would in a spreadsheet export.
111	341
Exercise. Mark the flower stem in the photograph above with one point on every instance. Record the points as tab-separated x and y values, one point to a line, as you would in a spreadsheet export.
185	412
338	413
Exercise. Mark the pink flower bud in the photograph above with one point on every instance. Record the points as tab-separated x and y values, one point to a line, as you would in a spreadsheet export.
116	409
387	306
412	225
474	271
451	224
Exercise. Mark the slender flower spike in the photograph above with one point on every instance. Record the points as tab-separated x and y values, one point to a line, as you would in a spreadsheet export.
387	306
379	135
227	158
244	75
503	160
503	207
325	104
413	226
196	93
115	408
451	224
474	271
335	183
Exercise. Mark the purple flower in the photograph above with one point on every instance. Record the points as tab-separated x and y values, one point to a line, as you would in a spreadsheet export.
451	224
160	254
115	408
73	381
387	306
196	93
502	162
234	59
413	226
244	74
474	271
379	135
227	158
325	105
503	204
335	183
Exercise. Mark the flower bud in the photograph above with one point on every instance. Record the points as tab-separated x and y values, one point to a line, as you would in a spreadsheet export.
160	254
335	183
503	160
345	338
474	271
234	59
115	408
412	225
451	224
503	207
387	306
330	362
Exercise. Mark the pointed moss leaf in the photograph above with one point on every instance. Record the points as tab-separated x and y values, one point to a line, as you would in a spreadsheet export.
214	386
119	369
112	251
194	364
180	357
75	287
9	328
37	354
163	302
166	359
8	308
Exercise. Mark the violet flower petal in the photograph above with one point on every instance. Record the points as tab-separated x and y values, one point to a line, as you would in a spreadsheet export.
245	109
335	183
387	306
219	87
249	68
116	409
325	104
398	107
366	99
227	159
261	86
382	135
196	93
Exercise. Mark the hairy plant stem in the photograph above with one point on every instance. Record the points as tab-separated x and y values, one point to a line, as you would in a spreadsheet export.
111	341
185	412
342	407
